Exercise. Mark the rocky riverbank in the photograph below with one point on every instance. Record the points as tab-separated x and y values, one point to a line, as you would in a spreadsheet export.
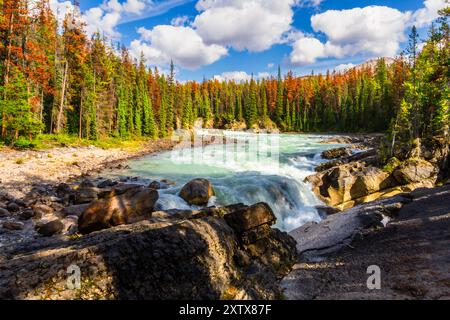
125	249
407	237
395	220
356	174
20	171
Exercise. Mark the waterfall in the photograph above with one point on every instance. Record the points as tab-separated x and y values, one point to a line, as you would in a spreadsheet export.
246	168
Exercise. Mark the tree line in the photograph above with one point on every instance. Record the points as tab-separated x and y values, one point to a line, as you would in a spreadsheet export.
55	79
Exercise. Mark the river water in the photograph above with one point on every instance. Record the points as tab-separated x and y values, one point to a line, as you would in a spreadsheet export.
245	168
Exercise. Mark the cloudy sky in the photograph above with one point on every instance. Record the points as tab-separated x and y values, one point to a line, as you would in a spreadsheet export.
237	38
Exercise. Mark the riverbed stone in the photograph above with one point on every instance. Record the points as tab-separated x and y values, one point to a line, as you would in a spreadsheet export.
197	192
248	218
106	183
4	212
85	195
13	225
75	210
335	153
155	185
13	207
51	228
134	205
42	209
27	214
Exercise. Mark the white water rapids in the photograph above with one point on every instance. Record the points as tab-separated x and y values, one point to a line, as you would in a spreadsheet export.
247	168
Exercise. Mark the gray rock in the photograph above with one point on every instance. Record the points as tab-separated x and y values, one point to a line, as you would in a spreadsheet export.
336	153
339	230
87	184
13	207
142	261
85	195
75	210
51	228
20	202
42	209
248	218
13	225
4	213
27	214
63	189
415	171
106	183
155	185
197	192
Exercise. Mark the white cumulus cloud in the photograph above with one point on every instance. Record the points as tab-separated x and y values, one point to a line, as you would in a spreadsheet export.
181	44
429	12
373	30
254	25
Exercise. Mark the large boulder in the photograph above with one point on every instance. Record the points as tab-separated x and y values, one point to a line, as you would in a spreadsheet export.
415	171
347	182
247	218
336	153
197	192
129	207
197	256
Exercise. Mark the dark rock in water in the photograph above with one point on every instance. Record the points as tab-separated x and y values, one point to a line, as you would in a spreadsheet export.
137	203
197	192
142	261
155	185
13	225
336	153
51	228
27	214
13	207
4	212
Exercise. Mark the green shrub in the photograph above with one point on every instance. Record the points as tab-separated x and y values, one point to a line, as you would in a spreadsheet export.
24	143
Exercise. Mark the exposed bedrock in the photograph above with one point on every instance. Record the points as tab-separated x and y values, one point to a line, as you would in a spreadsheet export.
215	253
353	180
406	236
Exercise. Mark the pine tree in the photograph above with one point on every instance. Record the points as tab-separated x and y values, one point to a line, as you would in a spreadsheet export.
19	119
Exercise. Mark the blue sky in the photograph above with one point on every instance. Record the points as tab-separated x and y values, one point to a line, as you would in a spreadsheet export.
233	39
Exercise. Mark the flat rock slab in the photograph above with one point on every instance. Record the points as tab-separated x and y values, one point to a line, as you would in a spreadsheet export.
339	230
412	252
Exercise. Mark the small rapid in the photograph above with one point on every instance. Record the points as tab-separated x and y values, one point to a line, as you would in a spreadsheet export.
246	168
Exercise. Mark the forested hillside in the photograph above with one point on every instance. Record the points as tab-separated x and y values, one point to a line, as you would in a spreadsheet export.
55	79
